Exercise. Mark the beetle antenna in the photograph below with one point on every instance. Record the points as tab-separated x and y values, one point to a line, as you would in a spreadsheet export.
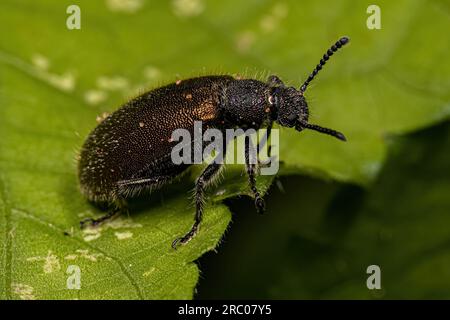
335	47
331	132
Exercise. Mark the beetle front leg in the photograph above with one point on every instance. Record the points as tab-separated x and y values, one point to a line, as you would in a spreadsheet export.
250	165
202	182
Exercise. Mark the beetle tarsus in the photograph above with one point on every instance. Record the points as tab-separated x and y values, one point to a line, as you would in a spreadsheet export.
186	238
91	222
260	205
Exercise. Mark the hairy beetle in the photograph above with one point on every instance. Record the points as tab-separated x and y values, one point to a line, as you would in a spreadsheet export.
130	150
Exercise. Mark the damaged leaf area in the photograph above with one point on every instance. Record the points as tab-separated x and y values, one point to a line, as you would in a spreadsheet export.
56	84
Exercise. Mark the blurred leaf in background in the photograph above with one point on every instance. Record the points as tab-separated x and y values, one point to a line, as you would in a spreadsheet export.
54	82
318	238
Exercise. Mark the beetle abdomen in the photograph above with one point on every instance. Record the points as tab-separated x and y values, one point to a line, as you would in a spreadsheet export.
135	141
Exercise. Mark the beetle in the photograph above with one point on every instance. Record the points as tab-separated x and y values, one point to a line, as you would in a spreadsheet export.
130	150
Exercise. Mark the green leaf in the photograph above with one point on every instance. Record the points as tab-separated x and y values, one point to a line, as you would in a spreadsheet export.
55	81
49	104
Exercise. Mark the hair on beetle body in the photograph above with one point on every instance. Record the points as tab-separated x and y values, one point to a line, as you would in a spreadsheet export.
130	150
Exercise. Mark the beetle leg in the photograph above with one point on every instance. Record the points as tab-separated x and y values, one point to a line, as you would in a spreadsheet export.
131	187
250	164
264	140
95	222
202	182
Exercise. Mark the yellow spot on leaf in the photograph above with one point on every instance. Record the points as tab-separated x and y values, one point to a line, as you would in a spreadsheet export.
188	8
126	6
123	235
24	291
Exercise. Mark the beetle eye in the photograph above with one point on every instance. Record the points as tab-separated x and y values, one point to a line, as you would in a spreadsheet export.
271	100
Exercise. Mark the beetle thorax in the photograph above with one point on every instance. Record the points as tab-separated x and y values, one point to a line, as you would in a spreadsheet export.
245	103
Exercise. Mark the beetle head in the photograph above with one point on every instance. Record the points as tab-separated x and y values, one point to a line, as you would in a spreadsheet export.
290	103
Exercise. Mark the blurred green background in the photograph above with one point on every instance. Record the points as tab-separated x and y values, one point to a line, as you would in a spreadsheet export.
381	198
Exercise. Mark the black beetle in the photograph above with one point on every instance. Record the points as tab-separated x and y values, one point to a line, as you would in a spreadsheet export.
130	150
